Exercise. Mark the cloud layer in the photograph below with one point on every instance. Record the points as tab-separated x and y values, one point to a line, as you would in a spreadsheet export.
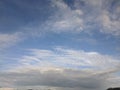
63	68
58	77
54	77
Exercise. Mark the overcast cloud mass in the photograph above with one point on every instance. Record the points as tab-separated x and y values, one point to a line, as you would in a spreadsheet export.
60	44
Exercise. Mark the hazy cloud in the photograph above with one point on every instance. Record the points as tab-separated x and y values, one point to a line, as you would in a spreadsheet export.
7	40
54	78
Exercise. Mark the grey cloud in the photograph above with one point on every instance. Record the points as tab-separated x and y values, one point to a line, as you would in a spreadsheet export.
53	78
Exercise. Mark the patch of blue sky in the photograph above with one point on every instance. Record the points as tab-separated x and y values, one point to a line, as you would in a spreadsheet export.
97	42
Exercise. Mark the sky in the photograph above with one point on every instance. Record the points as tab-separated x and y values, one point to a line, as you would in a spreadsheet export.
60	44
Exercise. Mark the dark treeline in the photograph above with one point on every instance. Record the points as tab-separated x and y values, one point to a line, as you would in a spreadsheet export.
117	88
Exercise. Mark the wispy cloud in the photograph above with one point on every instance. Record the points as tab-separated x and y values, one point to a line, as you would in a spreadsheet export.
110	20
7	40
85	16
68	58
81	15
65	19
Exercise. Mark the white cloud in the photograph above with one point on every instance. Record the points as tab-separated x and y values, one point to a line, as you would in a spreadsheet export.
84	16
68	58
110	26
81	16
106	14
65	19
7	40
53	67
47	67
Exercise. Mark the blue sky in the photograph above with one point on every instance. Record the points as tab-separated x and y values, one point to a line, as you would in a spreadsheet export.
66	37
